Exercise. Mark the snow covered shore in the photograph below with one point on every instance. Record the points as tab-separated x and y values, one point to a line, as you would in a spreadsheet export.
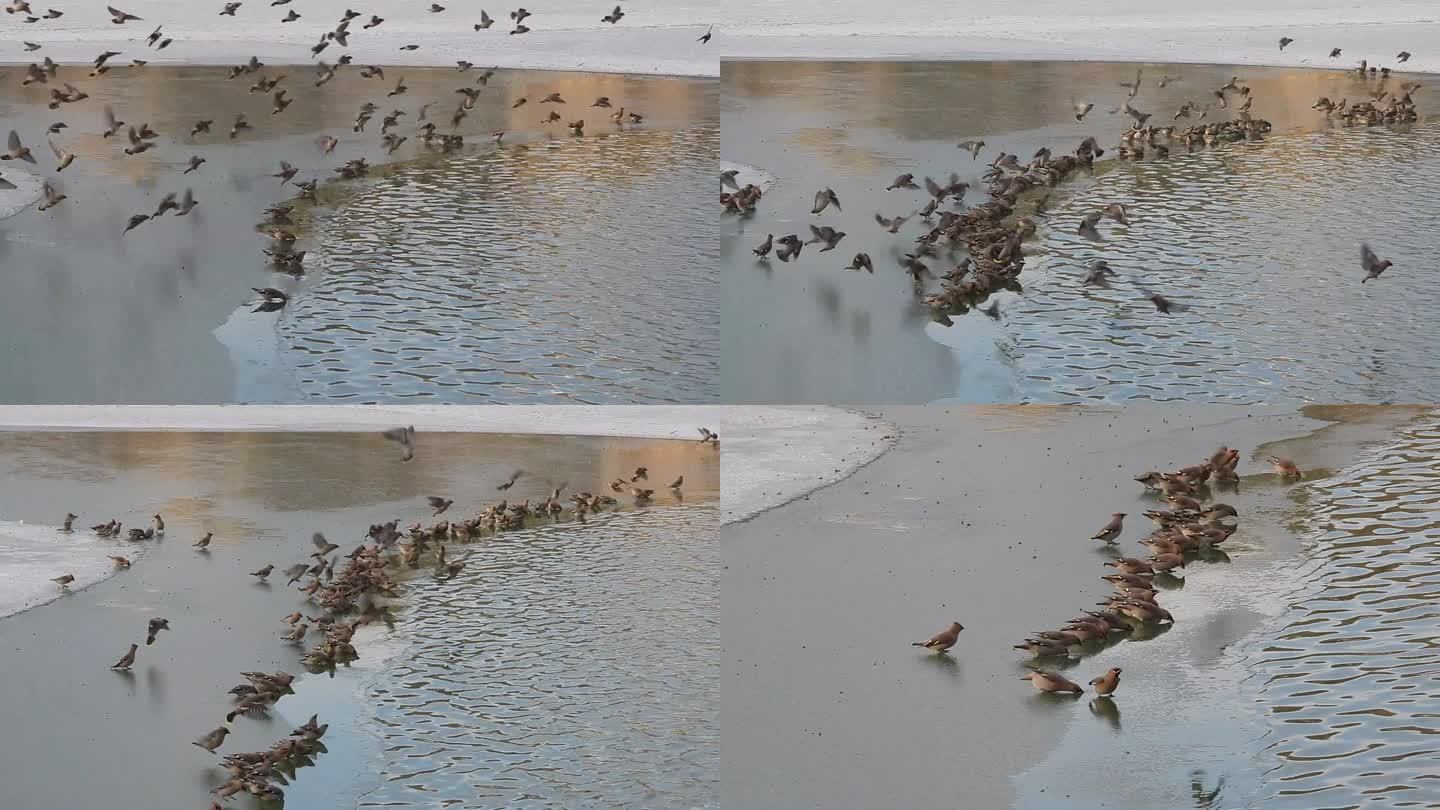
1218	32
564	34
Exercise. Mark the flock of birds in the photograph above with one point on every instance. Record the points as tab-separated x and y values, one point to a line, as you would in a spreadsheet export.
1191	528
348	595
991	233
281	255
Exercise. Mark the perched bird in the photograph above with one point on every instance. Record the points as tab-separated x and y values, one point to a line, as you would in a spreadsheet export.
127	660
943	640
1105	684
1047	681
1284	466
405	437
1110	530
63	580
677	482
204	542
263	573
69	522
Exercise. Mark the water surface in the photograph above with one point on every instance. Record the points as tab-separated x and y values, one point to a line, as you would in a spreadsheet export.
1260	239
558	647
552	268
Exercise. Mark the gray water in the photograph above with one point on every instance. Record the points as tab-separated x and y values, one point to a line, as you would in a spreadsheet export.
552	268
1260	239
1347	681
541	678
552	643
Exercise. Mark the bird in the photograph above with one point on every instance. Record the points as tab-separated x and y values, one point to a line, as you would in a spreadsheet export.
118	17
485	21
1403	56
1105	684
438	504
1164	305
824	199
263	573
1334	53
973	147
1081	108
613	17
127	660
515	476
63	580
204	542
641	474
943	640
195	161
322	546
705	38
1284	466
135	221
51	197
213	740
1047	681
1110	530
405	437
1285	41
677	482
18	151
121	562
154	628
862	262
229	9
1372	264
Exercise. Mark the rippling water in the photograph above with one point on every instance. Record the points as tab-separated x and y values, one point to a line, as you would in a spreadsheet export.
550	268
573	272
1261	239
1348	681
573	667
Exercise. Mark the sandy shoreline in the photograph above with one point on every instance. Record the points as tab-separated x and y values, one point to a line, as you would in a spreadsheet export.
930	532
565	35
1224	32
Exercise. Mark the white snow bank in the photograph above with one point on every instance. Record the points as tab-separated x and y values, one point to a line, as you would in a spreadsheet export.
564	35
1214	32
31	555
779	454
27	189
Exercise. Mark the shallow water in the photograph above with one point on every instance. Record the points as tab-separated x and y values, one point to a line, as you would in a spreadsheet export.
553	268
573	692
1347	678
1261	239
262	494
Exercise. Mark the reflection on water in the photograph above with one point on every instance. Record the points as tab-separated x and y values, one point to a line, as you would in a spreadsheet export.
491	274
1231	231
1348	681
576	667
513	276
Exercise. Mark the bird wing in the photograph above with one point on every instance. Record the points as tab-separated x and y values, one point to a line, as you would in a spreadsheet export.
435	501
821	200
1368	259
14	141
319	540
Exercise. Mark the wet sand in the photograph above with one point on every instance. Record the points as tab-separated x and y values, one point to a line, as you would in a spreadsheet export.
1218	230
552	268
821	597
81	735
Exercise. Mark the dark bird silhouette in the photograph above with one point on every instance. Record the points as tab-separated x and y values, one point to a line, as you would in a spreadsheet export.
1373	264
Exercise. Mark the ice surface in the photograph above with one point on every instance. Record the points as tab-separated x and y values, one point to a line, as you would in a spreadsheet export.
31	555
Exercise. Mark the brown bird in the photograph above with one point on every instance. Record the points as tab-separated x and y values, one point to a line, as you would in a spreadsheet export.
18	151
677	482
263	572
70	518
1105	684
405	437
203	542
943	640
1047	681
121	562
438	504
127	660
1284	466
641	473
1110	530
212	740
63	580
